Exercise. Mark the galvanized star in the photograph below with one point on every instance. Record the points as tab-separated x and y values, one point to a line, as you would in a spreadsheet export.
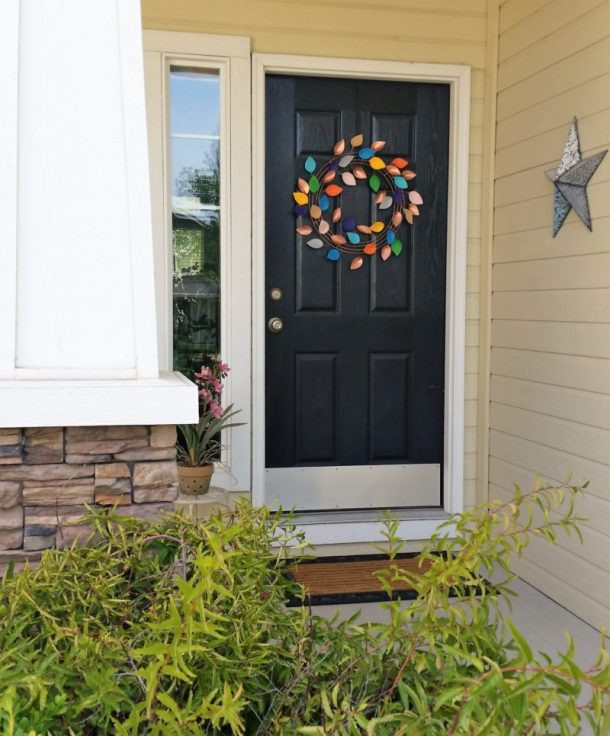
571	179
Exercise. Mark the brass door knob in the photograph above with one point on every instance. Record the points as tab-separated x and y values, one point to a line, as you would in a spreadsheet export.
275	324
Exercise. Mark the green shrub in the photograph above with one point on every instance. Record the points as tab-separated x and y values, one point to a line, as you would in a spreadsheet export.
181	628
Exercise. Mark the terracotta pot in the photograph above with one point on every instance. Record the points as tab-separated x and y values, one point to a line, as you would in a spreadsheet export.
195	481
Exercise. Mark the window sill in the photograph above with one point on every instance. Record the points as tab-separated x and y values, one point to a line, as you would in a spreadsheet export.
169	399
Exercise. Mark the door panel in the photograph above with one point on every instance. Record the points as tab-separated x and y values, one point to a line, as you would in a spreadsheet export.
355	377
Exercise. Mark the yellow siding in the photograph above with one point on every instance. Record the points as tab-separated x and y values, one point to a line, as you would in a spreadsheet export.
550	338
440	31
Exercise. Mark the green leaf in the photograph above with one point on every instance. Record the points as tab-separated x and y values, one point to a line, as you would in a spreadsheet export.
314	184
396	247
374	182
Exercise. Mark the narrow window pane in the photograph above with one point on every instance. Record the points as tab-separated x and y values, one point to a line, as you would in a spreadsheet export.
195	172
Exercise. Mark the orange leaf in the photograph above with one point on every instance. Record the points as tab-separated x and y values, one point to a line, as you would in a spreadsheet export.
408	174
333	190
329	177
391	169
369	249
339	147
359	172
400	162
377	145
364	229
337	214
386	252
303	186
396	218
338	239
304	230
356	263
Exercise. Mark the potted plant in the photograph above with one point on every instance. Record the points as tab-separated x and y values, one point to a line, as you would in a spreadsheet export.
199	444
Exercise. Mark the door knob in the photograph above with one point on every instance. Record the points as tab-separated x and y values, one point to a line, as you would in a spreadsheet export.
275	324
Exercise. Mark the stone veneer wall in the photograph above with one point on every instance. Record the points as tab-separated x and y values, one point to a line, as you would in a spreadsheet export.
47	475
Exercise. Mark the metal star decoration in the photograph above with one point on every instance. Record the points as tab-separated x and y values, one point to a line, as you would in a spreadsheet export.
571	179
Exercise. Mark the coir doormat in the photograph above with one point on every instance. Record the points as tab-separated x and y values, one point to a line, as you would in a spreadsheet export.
332	580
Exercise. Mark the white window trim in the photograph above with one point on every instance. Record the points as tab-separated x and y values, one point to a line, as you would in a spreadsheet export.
458	78
230	55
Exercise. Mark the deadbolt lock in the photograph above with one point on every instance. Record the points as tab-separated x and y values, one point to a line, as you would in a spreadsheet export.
275	294
275	324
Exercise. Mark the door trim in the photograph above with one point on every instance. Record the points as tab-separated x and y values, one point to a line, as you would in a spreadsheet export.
458	78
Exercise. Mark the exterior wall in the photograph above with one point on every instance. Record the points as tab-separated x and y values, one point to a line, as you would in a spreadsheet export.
550	359
49	474
400	30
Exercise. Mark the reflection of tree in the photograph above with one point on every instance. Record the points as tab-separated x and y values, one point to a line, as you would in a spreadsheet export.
201	182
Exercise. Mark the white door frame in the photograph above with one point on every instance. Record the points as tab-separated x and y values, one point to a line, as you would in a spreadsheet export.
458	78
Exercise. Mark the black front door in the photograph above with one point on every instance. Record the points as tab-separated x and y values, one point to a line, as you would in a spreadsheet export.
355	375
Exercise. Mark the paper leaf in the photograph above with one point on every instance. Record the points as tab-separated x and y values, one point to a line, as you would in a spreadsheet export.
339	147
357	140
338	239
375	182
310	164
377	145
333	254
315	212
377	163
315	243
314	184
303	186
377	227
359	172
337	214
304	230
386	252
356	263
415	198
333	190
300	197
323	227
396	247
346	160
348	179
353	238
369	249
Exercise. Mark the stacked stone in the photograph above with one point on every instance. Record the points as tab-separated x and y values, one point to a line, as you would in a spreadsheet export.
48	475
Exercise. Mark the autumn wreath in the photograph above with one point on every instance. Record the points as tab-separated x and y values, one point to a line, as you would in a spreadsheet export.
389	182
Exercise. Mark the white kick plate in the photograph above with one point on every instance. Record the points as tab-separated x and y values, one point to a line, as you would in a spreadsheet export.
353	487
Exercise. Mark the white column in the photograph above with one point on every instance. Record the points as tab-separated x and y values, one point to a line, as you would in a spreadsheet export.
77	301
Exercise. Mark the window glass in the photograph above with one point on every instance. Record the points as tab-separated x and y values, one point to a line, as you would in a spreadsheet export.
195	186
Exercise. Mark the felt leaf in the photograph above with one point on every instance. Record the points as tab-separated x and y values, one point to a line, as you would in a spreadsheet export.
364	229
333	190
339	147
353	238
396	219
337	214
369	249
314	184
377	163
323	227
324	203
400	162
374	182
359	172
303	186
366	153
338	239
409	217
300	197
348	178
310	164
390	237
400	182
333	254
315	212
408	174
357	140
377	145
304	230
394	170
396	247
346	160
315	243
415	197
329	177
386	203
349	223
377	227
386	252
356	263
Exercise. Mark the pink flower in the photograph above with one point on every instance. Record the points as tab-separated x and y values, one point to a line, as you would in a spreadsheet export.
217	385
205	394
223	367
215	409
204	374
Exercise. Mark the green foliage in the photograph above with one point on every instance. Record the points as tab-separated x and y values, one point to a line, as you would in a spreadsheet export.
180	628
198	444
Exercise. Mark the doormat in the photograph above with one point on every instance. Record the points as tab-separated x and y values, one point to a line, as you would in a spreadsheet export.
332	580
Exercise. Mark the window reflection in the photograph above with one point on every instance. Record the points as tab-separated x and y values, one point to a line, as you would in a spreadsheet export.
195	167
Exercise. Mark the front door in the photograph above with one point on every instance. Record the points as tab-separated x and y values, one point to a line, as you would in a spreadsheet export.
354	349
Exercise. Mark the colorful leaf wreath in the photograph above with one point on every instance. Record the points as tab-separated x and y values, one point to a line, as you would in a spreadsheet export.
388	181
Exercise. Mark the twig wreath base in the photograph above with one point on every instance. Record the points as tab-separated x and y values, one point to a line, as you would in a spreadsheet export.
388	181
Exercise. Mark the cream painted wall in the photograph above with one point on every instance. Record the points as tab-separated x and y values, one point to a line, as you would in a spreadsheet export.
550	357
441	31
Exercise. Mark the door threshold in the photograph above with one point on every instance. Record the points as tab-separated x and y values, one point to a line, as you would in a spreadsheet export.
343	527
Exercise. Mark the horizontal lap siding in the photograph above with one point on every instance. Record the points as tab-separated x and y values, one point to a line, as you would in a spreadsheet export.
437	31
550	359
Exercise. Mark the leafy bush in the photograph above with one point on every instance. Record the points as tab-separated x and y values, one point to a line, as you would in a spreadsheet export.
181	628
